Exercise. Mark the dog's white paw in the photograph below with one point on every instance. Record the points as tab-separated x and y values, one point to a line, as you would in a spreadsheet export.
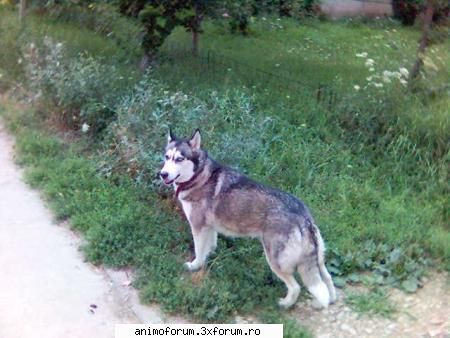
192	266
318	305
333	298
285	303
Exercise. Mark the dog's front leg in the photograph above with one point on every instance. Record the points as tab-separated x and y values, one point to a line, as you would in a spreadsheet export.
205	241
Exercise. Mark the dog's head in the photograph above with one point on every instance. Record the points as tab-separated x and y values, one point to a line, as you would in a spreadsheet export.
181	158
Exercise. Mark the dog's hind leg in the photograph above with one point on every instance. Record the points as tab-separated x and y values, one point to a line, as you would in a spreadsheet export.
205	241
311	277
326	277
286	274
328	281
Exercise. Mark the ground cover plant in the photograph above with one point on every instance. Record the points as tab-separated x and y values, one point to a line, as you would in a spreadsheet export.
372	165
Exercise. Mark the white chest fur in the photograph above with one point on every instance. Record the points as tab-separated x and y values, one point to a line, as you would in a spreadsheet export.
187	208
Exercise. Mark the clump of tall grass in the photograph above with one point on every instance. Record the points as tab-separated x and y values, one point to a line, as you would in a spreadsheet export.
81	90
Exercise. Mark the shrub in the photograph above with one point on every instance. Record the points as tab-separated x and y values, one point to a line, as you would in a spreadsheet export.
143	118
83	89
406	11
10	56
100	18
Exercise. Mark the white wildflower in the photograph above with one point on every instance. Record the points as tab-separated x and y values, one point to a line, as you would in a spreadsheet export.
19	61
369	78
403	82
85	127
387	76
356	87
378	85
277	65
361	55
225	15
404	71
371	69
369	62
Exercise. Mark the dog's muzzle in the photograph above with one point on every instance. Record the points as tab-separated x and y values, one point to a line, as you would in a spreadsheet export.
164	176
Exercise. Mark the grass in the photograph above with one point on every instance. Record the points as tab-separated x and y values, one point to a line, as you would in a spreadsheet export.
309	51
307	55
372	302
372	169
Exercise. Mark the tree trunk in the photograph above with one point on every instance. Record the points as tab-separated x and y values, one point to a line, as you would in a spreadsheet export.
195	43
428	18
145	62
196	29
22	9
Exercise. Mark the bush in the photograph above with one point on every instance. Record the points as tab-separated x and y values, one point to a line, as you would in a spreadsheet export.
100	18
83	89
10	56
406	11
138	134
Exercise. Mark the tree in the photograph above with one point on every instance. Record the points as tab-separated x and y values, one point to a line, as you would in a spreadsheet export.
433	10
239	13
22	9
160	17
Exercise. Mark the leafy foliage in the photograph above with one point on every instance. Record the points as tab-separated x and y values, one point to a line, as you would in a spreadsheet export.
160	17
408	10
399	267
83	90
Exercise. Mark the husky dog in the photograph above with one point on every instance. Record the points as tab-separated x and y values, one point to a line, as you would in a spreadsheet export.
217	199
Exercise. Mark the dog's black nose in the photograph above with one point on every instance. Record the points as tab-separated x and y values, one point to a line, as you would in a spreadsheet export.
163	175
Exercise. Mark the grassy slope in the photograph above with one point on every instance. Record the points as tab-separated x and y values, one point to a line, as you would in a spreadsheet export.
356	192
306	55
373	195
316	52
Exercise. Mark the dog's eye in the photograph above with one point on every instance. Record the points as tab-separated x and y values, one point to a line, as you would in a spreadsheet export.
167	157
179	159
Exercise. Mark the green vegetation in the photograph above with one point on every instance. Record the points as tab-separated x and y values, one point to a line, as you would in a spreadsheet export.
372	302
371	161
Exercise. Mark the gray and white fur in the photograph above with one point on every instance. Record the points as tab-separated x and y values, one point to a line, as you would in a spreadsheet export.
217	199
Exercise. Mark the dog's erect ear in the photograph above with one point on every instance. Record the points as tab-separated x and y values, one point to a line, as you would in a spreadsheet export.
170	136
195	140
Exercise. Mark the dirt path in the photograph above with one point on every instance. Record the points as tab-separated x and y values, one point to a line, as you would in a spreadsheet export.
424	314
46	290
